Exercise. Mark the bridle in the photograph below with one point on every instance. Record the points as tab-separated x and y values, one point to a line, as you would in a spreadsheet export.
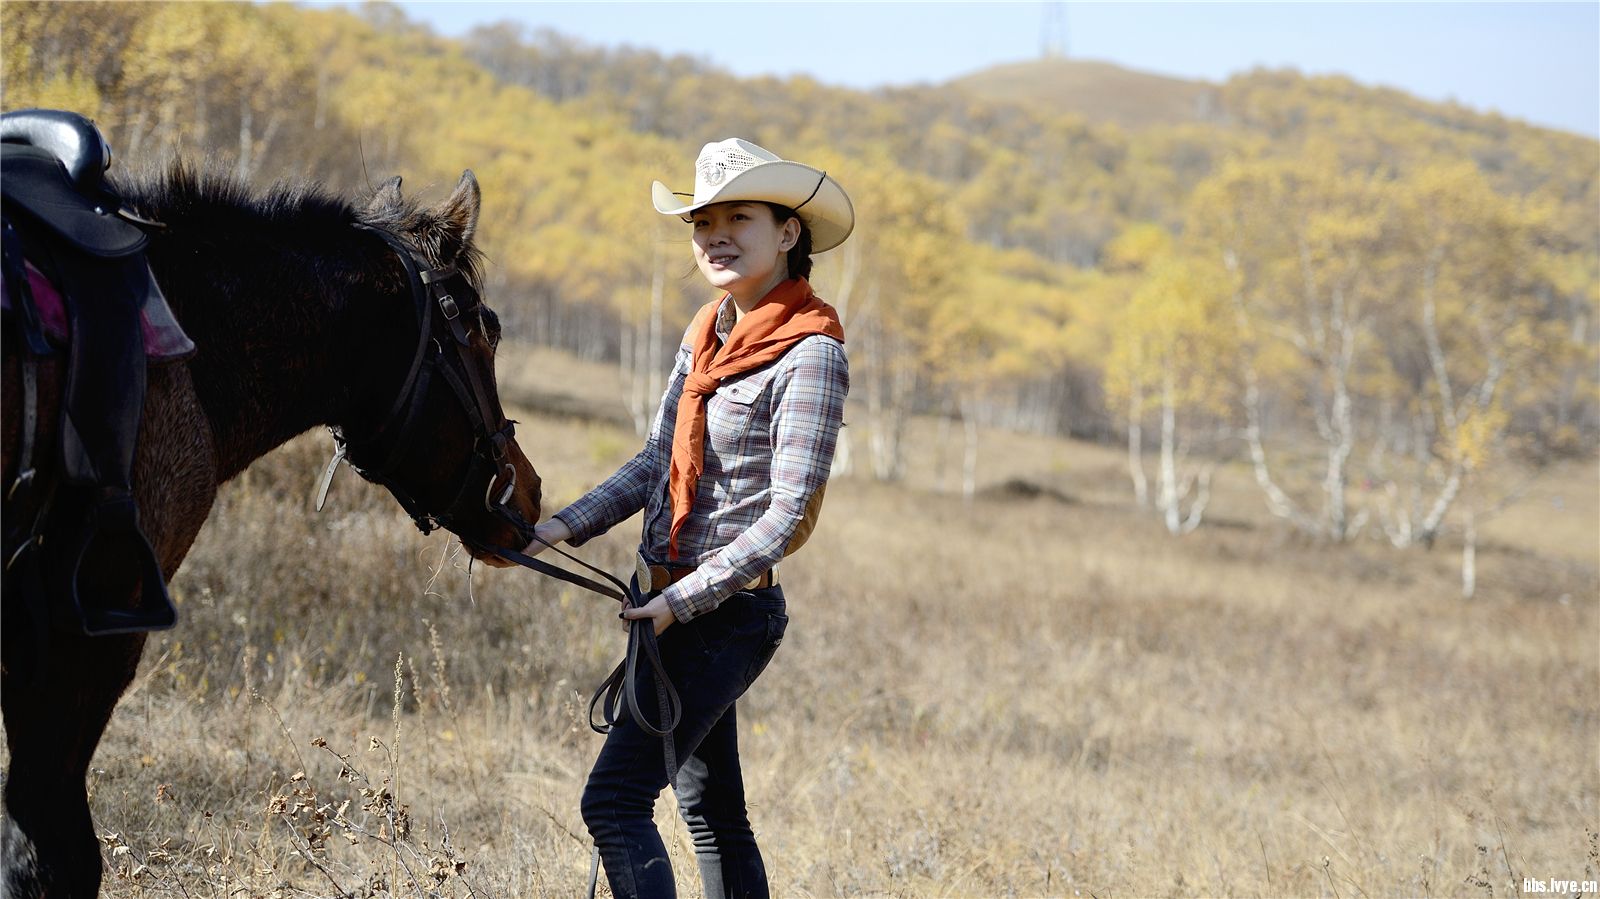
435	289
442	297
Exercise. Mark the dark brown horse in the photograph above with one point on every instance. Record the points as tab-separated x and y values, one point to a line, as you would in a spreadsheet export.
303	314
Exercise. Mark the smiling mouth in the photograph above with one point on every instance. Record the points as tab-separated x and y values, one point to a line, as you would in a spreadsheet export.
721	260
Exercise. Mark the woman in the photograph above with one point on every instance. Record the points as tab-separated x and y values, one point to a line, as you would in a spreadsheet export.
729	479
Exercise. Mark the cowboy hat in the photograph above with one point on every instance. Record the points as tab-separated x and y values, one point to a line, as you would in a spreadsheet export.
734	169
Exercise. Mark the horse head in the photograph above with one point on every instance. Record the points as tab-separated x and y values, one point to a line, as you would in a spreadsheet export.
429	425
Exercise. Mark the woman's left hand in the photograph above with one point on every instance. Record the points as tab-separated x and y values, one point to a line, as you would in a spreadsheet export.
656	609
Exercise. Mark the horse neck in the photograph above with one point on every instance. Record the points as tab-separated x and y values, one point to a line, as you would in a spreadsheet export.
267	330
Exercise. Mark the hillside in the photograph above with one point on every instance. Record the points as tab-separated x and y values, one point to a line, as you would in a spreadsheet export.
1100	92
1014	263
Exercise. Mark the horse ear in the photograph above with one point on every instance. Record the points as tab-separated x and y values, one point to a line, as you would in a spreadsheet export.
459	215
386	198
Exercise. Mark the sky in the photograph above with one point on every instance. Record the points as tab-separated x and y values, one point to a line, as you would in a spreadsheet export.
1539	62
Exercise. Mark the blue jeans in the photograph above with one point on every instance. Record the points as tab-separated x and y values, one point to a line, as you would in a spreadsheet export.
711	660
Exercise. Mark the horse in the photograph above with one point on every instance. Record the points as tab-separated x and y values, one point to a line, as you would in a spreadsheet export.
306	309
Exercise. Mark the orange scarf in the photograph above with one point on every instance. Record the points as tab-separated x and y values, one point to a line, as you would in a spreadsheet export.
788	314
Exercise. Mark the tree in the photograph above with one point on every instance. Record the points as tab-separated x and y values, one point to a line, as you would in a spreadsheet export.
65	56
1472	313
1175	340
911	266
1301	240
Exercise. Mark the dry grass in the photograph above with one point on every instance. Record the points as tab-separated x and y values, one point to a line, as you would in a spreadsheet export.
1039	696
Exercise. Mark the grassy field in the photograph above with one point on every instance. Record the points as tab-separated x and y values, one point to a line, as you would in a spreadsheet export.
1037	693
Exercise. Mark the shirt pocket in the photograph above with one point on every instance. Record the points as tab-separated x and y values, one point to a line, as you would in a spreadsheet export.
737	405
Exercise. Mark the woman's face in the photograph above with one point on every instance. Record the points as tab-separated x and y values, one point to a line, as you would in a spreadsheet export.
741	247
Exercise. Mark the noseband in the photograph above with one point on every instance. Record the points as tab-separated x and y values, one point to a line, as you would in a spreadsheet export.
443	351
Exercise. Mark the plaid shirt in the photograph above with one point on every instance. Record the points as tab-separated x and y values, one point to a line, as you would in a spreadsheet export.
770	436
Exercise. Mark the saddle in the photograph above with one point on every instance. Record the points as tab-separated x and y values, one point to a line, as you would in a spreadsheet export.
62	230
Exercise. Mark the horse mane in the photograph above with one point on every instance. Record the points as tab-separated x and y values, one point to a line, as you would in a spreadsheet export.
208	200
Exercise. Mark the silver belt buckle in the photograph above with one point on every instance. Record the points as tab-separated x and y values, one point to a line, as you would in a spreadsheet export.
641	572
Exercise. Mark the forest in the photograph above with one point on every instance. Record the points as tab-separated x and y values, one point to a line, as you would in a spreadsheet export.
1376	302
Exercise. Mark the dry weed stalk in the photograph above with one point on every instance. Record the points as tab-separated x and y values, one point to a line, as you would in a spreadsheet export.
312	821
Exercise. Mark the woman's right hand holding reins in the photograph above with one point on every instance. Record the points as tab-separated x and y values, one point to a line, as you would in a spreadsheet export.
548	533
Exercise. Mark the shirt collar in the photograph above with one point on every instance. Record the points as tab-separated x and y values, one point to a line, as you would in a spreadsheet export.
725	319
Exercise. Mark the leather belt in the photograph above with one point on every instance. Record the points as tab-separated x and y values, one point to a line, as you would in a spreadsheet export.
655	578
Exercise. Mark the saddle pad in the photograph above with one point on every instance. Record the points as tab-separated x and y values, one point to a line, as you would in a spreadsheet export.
164	339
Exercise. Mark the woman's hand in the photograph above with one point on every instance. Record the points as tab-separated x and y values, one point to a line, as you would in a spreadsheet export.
656	609
552	532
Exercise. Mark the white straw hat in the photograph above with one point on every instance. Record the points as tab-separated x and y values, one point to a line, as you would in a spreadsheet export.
735	169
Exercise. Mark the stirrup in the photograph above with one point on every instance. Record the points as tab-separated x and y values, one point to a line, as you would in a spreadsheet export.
114	515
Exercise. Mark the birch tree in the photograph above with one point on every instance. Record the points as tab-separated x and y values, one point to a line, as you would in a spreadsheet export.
1126	258
1472	315
911	264
1173	349
1298	238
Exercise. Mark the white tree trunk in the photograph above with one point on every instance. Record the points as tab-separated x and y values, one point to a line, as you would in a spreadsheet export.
843	460
1341	432
1141	484
1197	508
133	143
1175	484
1278	502
1469	558
634	355
889	423
243	166
941	443
658	290
1168	498
1452	413
891	382
969	461
850	270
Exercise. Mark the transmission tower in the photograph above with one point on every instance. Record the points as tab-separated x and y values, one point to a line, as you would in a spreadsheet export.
1053	34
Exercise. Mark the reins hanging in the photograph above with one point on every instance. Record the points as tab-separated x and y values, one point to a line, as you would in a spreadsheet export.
618	692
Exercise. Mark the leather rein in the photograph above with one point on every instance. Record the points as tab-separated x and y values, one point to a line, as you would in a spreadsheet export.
431	291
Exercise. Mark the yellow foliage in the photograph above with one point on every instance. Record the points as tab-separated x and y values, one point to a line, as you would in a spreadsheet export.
74	91
994	244
1136	247
1176	332
1477	434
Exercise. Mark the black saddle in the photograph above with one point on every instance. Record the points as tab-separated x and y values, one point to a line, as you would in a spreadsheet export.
60	216
69	137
